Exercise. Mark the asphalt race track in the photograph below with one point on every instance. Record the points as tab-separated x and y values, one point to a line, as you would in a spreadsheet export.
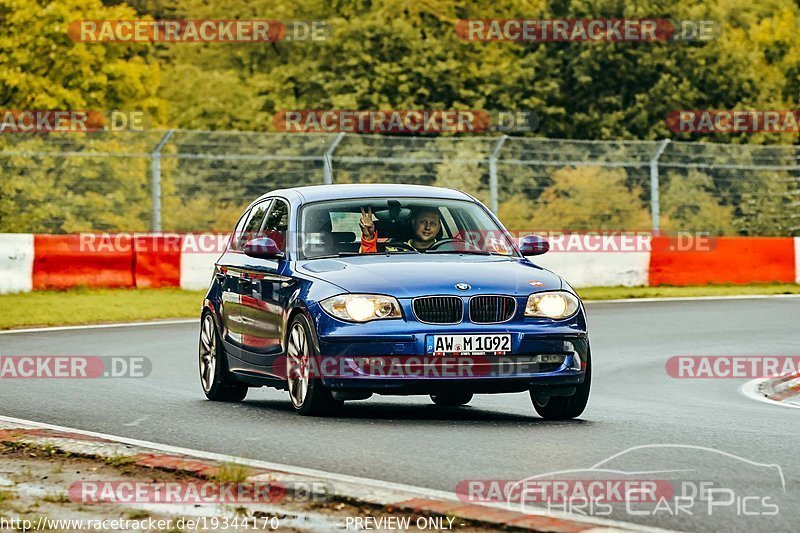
409	440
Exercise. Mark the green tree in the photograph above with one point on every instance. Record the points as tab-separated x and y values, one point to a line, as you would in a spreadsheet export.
589	198
689	203
42	68
768	204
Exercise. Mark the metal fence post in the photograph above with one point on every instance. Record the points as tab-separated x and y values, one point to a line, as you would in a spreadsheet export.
493	197
155	155
655	207
328	170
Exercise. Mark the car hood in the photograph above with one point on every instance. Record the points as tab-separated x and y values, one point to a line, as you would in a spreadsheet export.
408	276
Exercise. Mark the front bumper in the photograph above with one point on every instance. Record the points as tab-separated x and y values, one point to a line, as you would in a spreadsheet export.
390	356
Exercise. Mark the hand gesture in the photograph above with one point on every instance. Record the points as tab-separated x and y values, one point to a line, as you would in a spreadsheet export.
367	224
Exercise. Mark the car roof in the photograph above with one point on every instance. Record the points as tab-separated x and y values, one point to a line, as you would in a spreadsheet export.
314	193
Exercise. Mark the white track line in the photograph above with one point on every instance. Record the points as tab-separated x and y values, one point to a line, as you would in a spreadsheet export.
587	302
692	298
750	389
323	475
101	326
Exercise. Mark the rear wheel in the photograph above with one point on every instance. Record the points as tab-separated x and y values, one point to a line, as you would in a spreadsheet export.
309	396
564	407
451	398
218	384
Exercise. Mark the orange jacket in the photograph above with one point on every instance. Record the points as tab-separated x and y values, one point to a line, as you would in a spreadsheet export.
369	247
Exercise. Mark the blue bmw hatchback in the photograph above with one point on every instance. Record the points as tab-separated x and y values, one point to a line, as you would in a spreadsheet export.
338	292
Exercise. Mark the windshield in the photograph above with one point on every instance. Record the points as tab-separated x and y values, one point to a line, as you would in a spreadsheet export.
335	228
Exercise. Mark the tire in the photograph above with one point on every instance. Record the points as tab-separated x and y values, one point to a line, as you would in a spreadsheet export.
566	407
218	385
308	395
451	398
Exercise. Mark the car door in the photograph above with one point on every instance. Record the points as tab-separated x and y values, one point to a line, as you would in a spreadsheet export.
234	284
266	291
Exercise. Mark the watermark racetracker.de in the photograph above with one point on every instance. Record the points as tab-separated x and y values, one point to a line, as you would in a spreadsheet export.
201	492
734	121
731	366
404	121
69	121
73	367
652	480
584	241
530	30
198	31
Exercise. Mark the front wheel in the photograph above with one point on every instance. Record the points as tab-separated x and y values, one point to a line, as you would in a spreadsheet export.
218	385
309	396
565	407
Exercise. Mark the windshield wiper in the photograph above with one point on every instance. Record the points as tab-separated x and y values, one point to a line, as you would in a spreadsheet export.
471	252
390	252
475	252
353	254
339	254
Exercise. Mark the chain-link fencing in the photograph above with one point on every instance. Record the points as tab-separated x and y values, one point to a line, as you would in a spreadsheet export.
181	180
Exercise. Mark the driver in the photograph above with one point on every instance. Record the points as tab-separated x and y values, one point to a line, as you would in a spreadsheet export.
425	222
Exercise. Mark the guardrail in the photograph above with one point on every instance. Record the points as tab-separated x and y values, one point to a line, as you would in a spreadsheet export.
36	262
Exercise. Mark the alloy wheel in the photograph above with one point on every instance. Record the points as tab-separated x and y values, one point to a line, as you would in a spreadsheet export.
297	371
208	353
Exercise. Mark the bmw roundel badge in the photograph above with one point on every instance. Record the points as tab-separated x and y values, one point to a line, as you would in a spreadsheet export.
463	286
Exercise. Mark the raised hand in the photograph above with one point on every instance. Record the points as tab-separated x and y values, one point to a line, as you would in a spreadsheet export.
367	224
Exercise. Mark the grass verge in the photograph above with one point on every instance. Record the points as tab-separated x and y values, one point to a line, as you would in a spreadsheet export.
612	293
94	306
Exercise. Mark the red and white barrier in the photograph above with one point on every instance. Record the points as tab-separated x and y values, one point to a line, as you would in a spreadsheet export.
598	269
35	262
727	260
62	261
199	252
797	259
16	262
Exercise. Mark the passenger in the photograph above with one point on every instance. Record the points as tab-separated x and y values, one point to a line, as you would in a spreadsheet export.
425	222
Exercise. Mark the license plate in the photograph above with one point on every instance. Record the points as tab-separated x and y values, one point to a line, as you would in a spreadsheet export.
499	344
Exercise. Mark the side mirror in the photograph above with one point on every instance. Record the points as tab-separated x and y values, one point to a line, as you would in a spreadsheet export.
533	245
262	248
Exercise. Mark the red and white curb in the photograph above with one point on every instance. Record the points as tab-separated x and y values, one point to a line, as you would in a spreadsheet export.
362	490
784	390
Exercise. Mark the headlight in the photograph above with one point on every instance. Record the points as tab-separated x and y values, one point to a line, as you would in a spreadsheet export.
552	305
362	307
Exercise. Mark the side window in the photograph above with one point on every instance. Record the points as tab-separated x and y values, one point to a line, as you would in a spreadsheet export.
277	223
233	244
251	227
